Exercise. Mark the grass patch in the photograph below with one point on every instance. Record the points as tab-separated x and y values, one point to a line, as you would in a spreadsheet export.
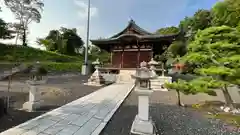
210	106
226	117
54	66
215	113
16	53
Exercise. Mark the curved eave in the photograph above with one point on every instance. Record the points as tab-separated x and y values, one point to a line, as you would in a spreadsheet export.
135	37
106	43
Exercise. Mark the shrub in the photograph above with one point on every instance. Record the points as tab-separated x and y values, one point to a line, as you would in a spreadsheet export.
42	71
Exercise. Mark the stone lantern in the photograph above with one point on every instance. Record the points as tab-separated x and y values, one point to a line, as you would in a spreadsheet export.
36	80
96	78
142	123
153	65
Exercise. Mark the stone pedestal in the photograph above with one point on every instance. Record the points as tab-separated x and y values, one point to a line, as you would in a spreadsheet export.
142	124
34	102
96	79
157	84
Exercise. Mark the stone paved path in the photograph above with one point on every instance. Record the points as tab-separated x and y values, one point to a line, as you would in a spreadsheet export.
85	116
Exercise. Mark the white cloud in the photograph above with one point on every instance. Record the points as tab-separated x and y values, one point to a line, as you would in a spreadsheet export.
83	9
81	30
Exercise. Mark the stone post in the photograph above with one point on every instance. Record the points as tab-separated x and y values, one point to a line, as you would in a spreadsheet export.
35	81
34	102
142	123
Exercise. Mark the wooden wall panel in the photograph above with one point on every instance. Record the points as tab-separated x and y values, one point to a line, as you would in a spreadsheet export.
130	59
116	59
145	56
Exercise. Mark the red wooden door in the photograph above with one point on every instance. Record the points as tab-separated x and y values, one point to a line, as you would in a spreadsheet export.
145	56
117	59
130	59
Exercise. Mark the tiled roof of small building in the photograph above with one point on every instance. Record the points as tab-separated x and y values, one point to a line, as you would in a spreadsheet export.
143	34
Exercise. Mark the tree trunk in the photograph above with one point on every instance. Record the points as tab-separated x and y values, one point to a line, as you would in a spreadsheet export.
179	98
24	37
17	36
228	98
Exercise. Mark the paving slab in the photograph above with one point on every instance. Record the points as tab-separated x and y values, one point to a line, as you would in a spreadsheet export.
85	116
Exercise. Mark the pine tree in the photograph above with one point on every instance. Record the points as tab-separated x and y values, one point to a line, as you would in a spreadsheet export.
215	57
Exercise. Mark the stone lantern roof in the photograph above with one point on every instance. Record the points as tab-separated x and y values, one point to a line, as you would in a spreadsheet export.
153	62
143	73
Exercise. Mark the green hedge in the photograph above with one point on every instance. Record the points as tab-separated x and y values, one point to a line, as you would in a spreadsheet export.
62	66
56	66
49	66
13	53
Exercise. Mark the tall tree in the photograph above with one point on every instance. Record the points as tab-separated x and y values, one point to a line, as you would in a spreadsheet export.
199	21
65	41
19	31
25	11
177	48
73	41
226	12
5	31
168	30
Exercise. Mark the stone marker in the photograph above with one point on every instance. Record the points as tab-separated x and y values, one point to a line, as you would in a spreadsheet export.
36	79
142	123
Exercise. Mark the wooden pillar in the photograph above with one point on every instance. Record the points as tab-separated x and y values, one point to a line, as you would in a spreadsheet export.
152	51
111	58
122	58
138	56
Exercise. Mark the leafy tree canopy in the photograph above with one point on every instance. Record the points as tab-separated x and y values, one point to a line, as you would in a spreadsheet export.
168	30
226	12
214	54
5	32
199	21
64	40
25	11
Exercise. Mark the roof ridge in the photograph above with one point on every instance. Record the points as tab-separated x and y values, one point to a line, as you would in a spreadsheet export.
132	23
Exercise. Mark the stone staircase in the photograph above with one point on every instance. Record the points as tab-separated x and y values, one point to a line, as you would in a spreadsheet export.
124	76
157	84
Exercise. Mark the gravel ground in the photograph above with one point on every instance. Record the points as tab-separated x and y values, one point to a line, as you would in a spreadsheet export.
72	86
169	119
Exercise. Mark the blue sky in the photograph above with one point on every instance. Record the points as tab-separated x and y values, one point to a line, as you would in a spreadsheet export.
110	16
